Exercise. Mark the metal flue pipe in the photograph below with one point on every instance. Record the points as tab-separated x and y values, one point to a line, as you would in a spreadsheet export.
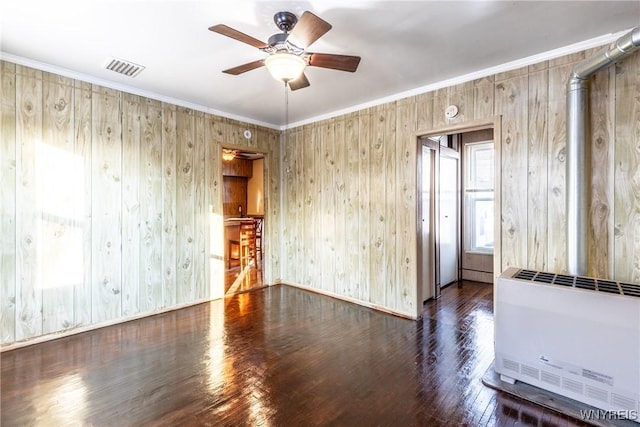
577	179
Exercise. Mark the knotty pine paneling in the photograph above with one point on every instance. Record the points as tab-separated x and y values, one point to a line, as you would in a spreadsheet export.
106	204
363	291
186	205
60	188
406	297
328	205
112	204
315	273
511	100
533	113
292	150
627	167
237	167
390	231
288	172
131	215
150	285
602	104
82	149
424	111
235	195
379	176
200	210
311	235
483	97
352	193
339	192
537	240
556	169
376	236
8	247
462	96
169	208
214	250
271	145
28	321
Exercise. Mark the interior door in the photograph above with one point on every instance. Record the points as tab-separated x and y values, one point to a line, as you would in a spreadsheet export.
448	219
426	224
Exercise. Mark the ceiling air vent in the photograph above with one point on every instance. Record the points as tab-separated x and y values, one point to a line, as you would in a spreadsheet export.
124	67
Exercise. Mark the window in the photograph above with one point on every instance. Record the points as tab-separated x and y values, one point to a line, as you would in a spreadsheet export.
478	197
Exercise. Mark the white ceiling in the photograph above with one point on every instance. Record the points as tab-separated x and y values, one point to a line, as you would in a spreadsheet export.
404	45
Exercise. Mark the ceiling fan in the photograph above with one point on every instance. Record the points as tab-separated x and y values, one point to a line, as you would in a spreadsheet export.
287	55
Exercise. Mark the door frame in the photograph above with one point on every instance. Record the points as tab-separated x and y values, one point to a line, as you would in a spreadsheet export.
434	154
268	275
494	123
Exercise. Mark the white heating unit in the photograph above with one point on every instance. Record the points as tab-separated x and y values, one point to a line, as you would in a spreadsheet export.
575	336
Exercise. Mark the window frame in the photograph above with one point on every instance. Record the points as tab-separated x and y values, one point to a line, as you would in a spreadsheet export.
469	208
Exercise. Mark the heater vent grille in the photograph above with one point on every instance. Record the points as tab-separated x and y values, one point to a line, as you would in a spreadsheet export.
124	67
530	371
572	385
597	394
580	282
511	365
550	378
623	402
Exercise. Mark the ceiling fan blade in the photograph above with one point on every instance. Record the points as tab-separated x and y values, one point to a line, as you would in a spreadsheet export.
245	67
335	62
308	29
235	34
299	83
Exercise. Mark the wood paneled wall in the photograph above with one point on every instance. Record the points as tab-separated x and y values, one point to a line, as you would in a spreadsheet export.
111	203
349	187
237	167
349	206
234	196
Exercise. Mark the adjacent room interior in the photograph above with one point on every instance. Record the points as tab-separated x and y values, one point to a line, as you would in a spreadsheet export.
319	213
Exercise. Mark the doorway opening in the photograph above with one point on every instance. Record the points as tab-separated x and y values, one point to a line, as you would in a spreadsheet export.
458	207
438	214
478	214
243	177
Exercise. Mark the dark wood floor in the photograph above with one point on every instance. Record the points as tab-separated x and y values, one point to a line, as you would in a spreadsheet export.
276	356
241	280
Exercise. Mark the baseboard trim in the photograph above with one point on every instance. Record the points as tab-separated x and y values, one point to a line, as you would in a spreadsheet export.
87	328
347	299
477	276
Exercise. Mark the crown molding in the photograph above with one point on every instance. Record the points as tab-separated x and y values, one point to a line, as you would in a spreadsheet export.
129	89
529	60
523	62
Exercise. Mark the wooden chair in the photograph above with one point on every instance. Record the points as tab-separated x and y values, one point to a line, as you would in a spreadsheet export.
247	243
259	222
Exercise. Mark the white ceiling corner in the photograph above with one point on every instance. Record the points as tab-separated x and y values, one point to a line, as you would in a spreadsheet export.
406	46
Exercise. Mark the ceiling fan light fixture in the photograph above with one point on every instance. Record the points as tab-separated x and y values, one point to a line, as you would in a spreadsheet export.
285	66
228	155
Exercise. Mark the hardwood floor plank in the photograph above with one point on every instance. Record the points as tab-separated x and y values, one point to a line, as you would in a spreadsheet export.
274	356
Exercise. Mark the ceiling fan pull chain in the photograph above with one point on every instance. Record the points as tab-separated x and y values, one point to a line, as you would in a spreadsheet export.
286	108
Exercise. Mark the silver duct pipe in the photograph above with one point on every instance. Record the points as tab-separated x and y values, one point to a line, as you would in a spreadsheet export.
577	128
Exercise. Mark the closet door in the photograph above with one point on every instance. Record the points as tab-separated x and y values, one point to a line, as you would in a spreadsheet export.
426	223
449	214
